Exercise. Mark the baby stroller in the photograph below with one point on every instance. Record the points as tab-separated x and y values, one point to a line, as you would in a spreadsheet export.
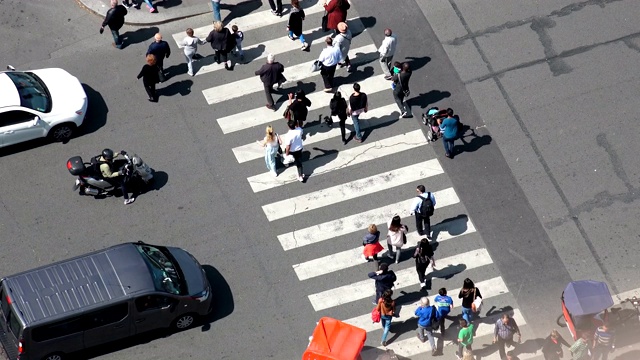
430	119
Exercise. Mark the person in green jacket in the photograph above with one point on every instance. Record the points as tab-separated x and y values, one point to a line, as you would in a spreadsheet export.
465	337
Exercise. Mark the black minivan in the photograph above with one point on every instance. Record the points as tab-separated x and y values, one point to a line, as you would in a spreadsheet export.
52	311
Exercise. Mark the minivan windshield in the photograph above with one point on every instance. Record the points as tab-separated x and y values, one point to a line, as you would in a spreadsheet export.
166	275
32	90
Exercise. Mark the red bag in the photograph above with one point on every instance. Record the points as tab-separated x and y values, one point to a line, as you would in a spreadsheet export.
375	315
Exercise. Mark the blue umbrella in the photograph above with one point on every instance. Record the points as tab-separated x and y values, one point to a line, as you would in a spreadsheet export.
587	297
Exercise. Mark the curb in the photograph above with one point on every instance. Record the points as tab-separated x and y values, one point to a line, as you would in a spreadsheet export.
148	23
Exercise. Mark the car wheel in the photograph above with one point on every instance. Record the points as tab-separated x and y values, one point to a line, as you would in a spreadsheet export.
56	356
62	132
184	322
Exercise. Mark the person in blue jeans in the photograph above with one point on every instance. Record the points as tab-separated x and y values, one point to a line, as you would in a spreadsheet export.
444	304
386	306
215	5
115	19
427	318
449	131
468	294
358	104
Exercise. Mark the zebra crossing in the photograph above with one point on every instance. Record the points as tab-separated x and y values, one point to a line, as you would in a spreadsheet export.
338	207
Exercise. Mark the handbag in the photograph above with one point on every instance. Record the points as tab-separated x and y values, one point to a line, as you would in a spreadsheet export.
287	113
288	159
325	22
375	315
161	77
316	66
477	302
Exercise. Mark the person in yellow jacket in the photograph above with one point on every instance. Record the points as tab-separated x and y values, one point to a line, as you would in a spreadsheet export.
116	178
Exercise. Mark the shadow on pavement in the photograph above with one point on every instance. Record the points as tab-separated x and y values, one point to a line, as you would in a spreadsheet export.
240	9
167	3
425	99
138	36
96	112
223	304
181	87
416	63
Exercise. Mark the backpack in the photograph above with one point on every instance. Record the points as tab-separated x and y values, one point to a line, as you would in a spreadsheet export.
426	207
421	257
433	321
333	105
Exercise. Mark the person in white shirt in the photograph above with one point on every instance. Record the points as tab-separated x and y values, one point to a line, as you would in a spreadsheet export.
190	44
387	50
329	58
293	143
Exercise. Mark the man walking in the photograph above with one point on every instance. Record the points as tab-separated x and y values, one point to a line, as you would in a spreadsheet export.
603	342
503	333
384	280
276	7
358	103
215	7
270	74
423	207
114	19
329	59
465	337
387	50
160	49
427	318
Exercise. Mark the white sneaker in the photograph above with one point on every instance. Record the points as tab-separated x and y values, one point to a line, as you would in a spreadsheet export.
274	173
129	201
301	178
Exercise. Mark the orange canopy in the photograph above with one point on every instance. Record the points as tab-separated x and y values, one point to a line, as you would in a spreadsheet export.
335	340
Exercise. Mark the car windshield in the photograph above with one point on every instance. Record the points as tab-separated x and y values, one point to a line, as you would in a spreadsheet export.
166	275
32	91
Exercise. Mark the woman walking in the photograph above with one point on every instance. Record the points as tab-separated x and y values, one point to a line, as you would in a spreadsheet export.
338	106
150	77
552	347
336	13
386	306
293	143
190	44
222	41
298	107
396	237
294	26
469	293
401	90
423	256
271	143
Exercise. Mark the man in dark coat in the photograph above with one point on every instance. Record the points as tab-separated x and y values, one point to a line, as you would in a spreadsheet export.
384	280
270	74
160	49
115	19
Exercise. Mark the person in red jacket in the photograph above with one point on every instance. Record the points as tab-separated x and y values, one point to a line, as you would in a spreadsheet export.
336	13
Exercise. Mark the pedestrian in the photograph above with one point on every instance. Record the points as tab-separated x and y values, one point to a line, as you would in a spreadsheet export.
358	103
386	306
160	49
294	26
552	347
138	3
299	107
465	337
397	67
150	77
215	8
239	37
386	50
222	41
603	342
503	332
422	208
384	279
401	90
338	106
343	41
468	294
427	322
396	237
329	59
190	45
276	7
271	143
270	74
293	142
423	255
449	131
371	243
114	19
467	355
580	349
336	13
444	304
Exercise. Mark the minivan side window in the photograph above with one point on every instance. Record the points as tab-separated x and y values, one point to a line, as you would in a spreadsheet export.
106	316
153	302
58	329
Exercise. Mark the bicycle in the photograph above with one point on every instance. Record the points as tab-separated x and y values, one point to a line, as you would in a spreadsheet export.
635	302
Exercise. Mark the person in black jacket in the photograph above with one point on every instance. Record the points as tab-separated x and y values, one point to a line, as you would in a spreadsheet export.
271	74
115	19
222	42
384	280
468	294
338	106
401	90
149	75
298	107
160	49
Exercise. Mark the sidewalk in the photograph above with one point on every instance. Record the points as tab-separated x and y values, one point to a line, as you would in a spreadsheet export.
171	10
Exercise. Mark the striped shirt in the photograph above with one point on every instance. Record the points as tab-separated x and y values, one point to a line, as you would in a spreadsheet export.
506	331
603	338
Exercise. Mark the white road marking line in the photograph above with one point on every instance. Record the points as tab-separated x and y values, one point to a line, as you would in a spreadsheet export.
350	258
294	73
340	159
319	100
375	117
352	190
359	222
406	277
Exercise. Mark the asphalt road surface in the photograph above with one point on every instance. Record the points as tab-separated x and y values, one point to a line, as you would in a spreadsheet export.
542	191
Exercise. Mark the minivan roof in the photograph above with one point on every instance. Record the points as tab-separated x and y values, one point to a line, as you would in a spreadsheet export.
75	284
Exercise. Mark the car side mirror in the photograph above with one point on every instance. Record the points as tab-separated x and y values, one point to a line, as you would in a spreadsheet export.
11	68
35	121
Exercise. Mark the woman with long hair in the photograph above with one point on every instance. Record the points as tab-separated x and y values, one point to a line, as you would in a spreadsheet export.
423	255
386	306
271	143
336	13
468	294
149	75
396	237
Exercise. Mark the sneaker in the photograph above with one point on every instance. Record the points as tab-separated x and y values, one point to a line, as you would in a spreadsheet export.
189	73
388	77
348	68
274	173
305	46
151	9
384	343
328	90
404	113
301	178
129	201
270	107
358	139
373	302
291	37
274	12
124	3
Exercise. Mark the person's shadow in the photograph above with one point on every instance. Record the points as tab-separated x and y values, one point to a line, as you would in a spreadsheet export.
138	36
474	144
239	10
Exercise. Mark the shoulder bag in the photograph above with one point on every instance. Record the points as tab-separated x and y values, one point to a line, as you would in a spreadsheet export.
477	302
325	21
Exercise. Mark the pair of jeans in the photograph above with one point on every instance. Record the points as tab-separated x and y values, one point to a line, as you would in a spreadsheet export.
398	251
270	157
385	321
385	64
276	6
501	344
328	72
116	38
297	159
600	352
422	330
423	225
398	96
467	314
239	47
356	126
189	58
301	37
216	10
448	146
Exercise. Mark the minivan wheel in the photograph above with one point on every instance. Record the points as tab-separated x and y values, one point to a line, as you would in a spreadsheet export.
184	322
57	356
62	133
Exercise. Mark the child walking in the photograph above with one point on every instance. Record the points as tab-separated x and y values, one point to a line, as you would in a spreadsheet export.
294	26
371	242
239	35
271	143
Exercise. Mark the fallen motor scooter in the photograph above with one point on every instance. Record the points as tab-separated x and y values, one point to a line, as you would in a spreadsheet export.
90	182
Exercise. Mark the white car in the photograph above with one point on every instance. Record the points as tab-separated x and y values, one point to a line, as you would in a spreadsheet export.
40	103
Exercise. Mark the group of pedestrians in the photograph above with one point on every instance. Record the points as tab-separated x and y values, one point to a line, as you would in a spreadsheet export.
589	346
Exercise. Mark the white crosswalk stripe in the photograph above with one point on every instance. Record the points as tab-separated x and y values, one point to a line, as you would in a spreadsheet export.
463	256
